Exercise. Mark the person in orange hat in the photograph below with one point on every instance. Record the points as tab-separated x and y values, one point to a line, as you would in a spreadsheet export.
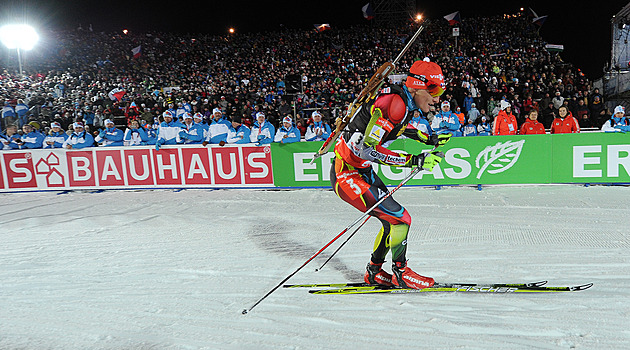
380	120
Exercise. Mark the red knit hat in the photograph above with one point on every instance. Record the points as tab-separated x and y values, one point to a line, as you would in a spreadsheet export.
426	75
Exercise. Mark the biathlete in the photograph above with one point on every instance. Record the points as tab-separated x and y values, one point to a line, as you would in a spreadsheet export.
379	121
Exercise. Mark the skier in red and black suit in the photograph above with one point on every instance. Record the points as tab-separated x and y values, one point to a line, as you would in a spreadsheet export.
379	121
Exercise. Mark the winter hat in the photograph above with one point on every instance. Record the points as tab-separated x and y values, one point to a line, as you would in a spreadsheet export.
108	121
55	125
422	72
315	113
620	109
260	114
445	103
287	119
187	115
198	116
77	125
216	110
504	104
167	114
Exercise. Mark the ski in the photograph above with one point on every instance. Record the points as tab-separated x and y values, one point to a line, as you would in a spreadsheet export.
447	287
363	285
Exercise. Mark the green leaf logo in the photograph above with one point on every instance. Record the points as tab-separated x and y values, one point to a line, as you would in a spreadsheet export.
498	158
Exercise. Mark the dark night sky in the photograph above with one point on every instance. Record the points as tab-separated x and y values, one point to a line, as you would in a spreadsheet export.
583	30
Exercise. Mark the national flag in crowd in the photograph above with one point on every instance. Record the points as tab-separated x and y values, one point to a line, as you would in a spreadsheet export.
531	13
453	18
137	51
321	27
368	11
554	48
539	20
116	94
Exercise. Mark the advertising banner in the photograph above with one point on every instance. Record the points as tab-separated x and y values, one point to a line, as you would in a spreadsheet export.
136	167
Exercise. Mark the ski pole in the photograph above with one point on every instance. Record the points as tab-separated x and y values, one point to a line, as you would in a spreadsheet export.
344	243
367	213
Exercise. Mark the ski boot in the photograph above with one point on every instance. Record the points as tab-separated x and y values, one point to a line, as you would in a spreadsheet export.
404	277
375	274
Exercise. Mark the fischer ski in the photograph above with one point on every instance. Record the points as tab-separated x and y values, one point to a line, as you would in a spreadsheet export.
460	288
363	284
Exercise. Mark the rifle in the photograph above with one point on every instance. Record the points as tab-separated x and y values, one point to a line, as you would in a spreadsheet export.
368	92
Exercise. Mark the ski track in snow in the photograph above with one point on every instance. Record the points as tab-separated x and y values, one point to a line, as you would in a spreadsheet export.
173	270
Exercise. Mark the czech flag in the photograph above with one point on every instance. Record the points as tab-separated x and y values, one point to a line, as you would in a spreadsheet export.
368	11
321	27
137	51
116	94
453	18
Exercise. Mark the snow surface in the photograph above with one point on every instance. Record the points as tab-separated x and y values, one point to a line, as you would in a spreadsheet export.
173	270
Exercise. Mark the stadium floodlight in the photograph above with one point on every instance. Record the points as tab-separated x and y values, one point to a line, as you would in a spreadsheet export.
19	37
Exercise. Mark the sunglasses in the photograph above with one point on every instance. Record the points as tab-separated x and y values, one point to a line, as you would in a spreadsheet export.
434	89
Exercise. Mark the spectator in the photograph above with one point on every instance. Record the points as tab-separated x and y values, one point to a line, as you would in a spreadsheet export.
617	123
469	129
8	114
10	138
30	138
239	132
198	120
532	126
79	138
288	133
505	122
565	123
420	123
168	132
460	115
111	135
219	127
484	129
135	135
446	122
263	131
56	136
21	112
473	113
557	100
192	133
582	114
318	130
151	131
598	110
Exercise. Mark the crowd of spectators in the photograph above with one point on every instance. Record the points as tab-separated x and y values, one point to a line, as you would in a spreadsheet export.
90	81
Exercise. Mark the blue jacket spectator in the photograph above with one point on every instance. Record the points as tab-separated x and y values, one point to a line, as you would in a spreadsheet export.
151	132
288	133
79	138
239	132
21	110
31	138
8	140
135	135
198	119
192	133
8	114
618	122
168	132
263	131
56	137
484	128
111	135
219	127
446	122
318	130
420	123
469	129
473	113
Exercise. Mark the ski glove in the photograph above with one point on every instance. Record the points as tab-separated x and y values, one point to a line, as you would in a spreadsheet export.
439	139
427	161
